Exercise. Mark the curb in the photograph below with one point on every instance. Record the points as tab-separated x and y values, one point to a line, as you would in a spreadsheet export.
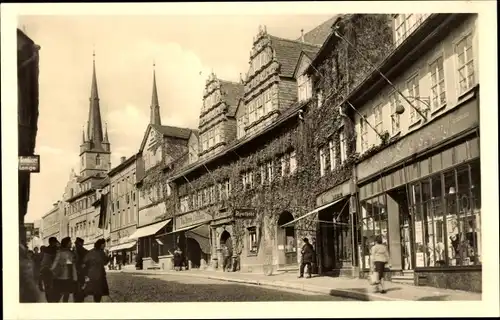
343	293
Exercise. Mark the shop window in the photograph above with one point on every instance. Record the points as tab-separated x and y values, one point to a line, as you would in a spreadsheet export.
252	240
452	216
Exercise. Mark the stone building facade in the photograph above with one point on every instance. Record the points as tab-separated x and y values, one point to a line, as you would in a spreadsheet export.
27	115
123	209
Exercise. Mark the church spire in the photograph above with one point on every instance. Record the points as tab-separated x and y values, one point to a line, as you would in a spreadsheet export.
155	117
94	127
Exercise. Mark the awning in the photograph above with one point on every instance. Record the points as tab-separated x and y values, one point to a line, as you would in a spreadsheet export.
189	227
314	211
123	246
149	230
89	246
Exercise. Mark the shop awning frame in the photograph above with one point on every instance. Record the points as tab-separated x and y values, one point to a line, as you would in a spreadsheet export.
314	211
149	230
189	227
123	246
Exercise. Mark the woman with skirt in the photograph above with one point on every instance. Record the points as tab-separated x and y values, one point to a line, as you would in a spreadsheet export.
64	271
94	262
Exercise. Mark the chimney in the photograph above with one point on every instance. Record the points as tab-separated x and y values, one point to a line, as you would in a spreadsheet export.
122	159
302	35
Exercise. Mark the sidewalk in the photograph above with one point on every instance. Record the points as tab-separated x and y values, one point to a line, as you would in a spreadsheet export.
357	289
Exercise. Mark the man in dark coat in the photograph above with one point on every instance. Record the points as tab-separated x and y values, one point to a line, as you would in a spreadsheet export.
307	258
80	253
47	260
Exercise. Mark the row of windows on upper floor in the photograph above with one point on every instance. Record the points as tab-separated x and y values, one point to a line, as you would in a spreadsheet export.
405	24
286	163
211	137
83	229
80	205
426	89
124	217
256	109
123	185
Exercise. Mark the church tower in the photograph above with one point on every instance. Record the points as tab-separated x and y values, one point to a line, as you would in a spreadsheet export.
95	150
154	117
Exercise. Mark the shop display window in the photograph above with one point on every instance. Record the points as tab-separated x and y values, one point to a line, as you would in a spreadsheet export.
446	209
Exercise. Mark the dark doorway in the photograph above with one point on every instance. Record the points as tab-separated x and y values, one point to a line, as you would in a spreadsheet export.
193	252
335	237
286	239
400	196
326	241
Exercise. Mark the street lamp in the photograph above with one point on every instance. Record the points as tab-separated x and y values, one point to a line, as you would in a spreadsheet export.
400	109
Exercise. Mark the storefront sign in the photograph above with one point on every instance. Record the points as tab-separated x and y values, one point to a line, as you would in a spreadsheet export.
462	118
149	215
29	163
333	194
244	213
192	218
221	214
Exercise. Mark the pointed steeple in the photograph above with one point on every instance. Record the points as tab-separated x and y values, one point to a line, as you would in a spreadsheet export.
94	126
155	117
83	134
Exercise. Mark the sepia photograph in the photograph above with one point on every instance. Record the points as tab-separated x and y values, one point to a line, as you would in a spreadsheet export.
336	156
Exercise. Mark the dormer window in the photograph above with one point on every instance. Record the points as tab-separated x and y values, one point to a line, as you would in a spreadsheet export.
304	87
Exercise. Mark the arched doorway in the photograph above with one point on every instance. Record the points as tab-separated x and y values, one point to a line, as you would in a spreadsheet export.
193	252
226	244
286	239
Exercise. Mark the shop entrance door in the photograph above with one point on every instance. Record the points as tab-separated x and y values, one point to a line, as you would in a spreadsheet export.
406	230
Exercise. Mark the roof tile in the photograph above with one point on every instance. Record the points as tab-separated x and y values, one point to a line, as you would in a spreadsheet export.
288	53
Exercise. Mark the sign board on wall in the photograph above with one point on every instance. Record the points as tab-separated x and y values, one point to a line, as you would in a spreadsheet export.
333	194
244	213
150	214
29	163
192	218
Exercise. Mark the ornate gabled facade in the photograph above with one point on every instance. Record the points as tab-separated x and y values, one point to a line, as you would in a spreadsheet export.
270	87
217	122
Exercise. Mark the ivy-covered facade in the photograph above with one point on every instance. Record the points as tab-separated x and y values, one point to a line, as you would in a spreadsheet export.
273	185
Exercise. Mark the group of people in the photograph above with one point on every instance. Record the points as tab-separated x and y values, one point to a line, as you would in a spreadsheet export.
61	269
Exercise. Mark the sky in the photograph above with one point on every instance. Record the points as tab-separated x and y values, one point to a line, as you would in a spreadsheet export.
185	50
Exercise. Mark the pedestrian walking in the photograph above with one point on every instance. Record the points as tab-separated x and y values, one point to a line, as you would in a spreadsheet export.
379	257
95	261
48	258
80	253
64	271
37	263
307	258
40	277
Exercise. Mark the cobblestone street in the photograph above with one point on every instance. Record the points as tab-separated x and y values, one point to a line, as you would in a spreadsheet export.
168	288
